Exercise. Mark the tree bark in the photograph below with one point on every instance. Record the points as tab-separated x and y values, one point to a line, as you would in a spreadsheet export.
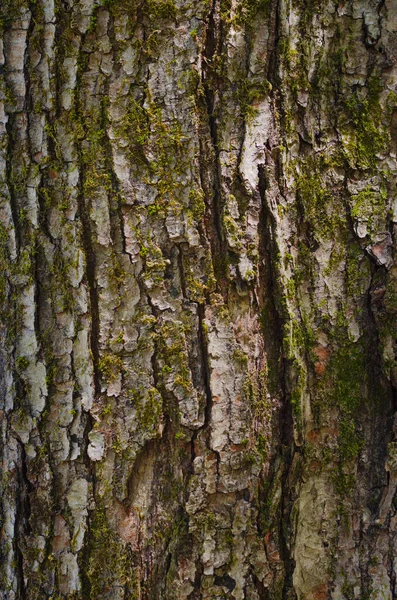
198	299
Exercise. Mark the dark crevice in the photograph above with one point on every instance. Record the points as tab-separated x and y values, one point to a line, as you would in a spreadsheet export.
272	334
28	102
212	49
22	516
157	378
115	202
43	209
88	246
225	581
206	377
9	179
196	593
273	46
39	298
263	592
90	259
377	380
61	25
273	339
92	285
84	556
203	344
206	364
181	271
167	565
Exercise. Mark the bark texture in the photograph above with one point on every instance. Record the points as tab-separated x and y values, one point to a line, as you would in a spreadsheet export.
198	299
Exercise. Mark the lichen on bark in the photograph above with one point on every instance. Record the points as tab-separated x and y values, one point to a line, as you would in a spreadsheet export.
197	299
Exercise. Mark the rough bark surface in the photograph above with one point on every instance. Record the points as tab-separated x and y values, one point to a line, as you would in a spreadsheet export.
198	299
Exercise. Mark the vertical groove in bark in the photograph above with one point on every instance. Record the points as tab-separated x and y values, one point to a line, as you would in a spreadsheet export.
9	178
212	52
276	362
90	272
21	520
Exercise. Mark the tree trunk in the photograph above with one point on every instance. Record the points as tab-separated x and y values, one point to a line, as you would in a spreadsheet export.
198	299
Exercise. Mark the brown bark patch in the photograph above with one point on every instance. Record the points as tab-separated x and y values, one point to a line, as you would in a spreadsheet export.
322	353
319	368
61	534
315	465
320	592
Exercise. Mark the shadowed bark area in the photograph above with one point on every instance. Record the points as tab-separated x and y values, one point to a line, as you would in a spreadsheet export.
198	299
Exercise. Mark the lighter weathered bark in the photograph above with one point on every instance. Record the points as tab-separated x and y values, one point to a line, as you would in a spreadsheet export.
198	299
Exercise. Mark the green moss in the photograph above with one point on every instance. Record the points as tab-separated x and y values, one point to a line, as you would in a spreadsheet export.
109	561
348	368
250	92
21	363
254	389
247	10
326	82
198	281
10	10
196	290
298	337
150	411
308	8
136	127
4	263
370	205
357	271
173	354
350	441
233	231
155	263
346	385
110	366
298	342
262	445
322	210
240	357
51	363
157	148
161	9
197	204
366	135
343	484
